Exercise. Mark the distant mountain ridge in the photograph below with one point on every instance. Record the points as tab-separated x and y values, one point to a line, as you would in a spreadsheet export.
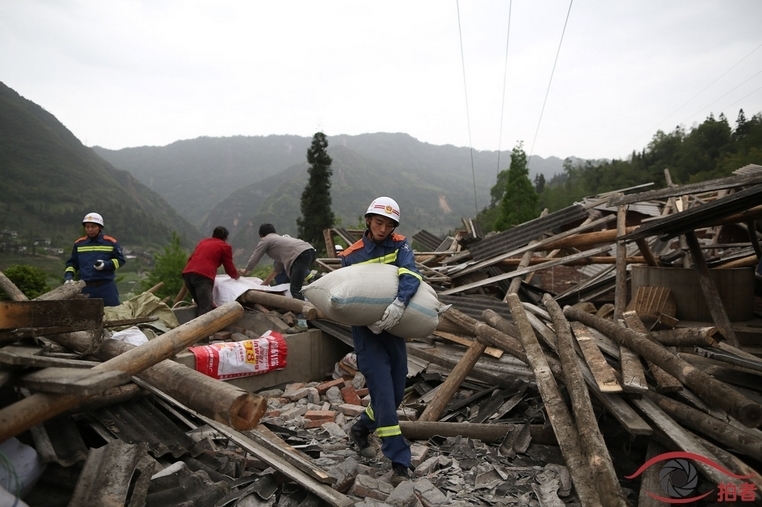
236	180
49	180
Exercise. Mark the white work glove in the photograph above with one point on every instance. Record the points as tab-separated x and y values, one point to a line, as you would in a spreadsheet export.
390	318
99	265
70	280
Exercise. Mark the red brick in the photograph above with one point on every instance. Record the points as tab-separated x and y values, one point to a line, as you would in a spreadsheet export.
316	418
350	395
362	392
322	388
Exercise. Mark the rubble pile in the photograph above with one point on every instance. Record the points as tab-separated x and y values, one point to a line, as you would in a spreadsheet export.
605	354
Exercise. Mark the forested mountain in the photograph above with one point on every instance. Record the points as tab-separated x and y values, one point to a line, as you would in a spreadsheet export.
197	176
49	181
710	150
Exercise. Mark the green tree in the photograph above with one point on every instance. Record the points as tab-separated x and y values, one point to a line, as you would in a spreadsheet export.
30	280
317	214
539	183
168	268
519	203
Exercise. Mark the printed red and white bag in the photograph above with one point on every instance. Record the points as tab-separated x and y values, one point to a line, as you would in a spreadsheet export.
226	360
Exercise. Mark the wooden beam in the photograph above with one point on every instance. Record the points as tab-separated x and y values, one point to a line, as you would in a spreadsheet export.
558	413
541	243
522	272
603	373
665	383
278	301
591	438
622	412
711	295
37	408
748	412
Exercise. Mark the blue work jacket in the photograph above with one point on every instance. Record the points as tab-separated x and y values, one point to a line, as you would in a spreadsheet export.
87	251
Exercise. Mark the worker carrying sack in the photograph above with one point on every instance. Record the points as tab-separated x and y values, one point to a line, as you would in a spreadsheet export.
357	295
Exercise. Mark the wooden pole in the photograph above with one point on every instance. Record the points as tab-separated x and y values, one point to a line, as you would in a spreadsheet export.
424	430
524	262
65	291
586	239
10	288
739	439
708	388
447	389
180	294
686	336
558	412
213	398
156	287
278	301
665	383
39	407
712	296
604	475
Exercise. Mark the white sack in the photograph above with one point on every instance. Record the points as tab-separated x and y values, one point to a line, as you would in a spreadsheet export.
227	289
358	295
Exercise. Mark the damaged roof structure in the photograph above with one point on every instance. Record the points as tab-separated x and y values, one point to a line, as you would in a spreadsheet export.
604	354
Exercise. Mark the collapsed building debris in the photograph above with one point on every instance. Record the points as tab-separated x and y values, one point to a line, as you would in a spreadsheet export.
572	356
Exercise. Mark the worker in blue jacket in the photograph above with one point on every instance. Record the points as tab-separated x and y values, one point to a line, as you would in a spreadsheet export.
96	257
382	356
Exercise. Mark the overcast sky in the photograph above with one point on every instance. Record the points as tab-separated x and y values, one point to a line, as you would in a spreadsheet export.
122	73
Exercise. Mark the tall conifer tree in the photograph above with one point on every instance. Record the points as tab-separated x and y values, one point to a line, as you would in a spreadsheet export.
520	199
317	214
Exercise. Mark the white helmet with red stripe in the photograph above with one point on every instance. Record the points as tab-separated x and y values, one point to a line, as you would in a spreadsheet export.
93	218
386	207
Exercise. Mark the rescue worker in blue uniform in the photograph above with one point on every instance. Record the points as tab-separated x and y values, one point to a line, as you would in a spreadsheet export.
96	257
382	356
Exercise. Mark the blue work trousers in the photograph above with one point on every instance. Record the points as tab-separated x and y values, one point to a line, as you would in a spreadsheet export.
382	358
105	290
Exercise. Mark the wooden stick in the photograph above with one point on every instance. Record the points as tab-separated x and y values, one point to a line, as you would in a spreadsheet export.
665	383
65	291
604	374
623	413
10	288
712	296
424	430
447	389
604	475
686	336
558	412
710	389
278	301
738	439
37	408
180	294
156	287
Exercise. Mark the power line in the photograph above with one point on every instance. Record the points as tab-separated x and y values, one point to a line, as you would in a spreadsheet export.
468	116
725	95
547	92
703	90
505	79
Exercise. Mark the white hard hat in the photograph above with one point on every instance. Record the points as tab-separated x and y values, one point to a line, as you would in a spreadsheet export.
386	207
93	218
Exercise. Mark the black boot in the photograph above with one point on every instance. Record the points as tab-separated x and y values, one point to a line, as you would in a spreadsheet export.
400	473
359	434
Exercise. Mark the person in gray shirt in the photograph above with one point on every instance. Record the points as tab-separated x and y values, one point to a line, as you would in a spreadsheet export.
291	255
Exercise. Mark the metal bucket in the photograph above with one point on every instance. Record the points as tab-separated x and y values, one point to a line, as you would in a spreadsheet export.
735	286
